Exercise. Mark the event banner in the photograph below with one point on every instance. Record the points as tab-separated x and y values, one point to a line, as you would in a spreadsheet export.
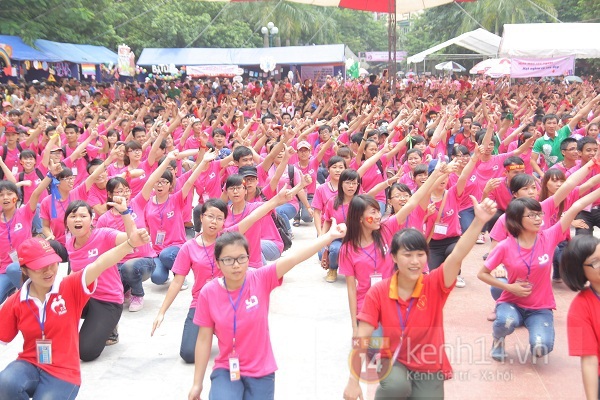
539	67
316	73
200	71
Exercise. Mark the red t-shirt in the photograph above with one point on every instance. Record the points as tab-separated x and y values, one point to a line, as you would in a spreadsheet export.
583	325
424	323
63	306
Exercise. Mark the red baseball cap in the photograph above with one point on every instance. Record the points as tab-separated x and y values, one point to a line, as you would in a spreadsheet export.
36	253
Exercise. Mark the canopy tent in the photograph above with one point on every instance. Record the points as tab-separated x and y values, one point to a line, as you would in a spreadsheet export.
381	6
550	40
78	53
23	52
480	41
292	55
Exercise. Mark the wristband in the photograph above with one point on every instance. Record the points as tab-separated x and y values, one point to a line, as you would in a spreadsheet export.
128	211
129	243
49	175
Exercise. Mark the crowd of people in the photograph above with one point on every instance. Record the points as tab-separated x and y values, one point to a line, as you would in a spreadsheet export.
142	183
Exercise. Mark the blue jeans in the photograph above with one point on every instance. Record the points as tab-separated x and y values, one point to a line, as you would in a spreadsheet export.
382	206
134	272
556	260
187	350
303	212
164	263
322	174
466	218
539	323
270	252
496	292
334	252
21	380
9	280
37	221
222	388
287	211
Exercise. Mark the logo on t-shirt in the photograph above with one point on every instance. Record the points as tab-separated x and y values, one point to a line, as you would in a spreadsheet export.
473	177
543	259
251	302
212	175
133	216
450	212
422	302
170	214
18	226
92	253
143	176
495	168
58	305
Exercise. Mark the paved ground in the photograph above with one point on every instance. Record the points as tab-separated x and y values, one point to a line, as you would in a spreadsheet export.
310	331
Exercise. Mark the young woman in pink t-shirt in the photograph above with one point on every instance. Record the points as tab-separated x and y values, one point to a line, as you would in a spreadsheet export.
236	309
324	192
527	298
197	255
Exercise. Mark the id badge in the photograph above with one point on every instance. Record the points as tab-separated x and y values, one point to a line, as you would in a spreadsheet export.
15	170
13	256
43	348
375	277
234	367
74	170
440	229
160	237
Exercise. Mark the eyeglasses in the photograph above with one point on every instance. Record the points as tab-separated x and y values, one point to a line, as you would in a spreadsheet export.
213	218
350	183
400	197
236	188
229	261
594	265
122	192
68	178
534	216
250	179
163	183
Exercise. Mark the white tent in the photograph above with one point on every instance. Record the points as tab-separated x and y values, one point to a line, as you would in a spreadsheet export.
550	40
480	41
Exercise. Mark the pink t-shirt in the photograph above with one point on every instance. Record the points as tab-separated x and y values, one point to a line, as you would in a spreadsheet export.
525	156
408	180
285	180
167	219
209	181
112	170
79	167
14	232
374	176
501	195
35	181
110	287
449	225
539	257
339	214
323	193
137	184
361	263
110	220
201	260
311	169
486	170
268	229
57	224
252	340
254	234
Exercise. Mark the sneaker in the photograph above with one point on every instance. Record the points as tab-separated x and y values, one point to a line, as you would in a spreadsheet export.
480	239
331	275
127	298
296	222
185	285
137	303
291	235
498	352
485	256
460	282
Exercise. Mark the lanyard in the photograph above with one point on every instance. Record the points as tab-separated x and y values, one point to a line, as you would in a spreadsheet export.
162	210
210	259
234	306
62	206
8	223
372	257
528	265
403	322
343	213
41	322
242	215
595	293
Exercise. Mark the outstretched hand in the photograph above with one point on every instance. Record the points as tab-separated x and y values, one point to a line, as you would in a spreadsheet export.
484	210
139	238
337	231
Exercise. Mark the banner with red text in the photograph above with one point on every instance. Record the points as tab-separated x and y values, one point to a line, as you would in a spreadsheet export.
539	67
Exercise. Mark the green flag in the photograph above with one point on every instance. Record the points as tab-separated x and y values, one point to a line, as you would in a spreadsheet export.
353	70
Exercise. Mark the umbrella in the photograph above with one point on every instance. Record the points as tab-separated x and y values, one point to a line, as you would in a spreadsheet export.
483	66
572	79
501	68
450	66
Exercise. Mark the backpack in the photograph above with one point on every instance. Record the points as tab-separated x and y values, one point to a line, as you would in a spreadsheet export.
280	225
4	153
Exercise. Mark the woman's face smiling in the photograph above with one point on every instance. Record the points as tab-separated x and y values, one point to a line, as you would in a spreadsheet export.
336	170
410	263
371	218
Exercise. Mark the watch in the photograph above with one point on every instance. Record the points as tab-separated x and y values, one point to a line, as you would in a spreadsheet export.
128	211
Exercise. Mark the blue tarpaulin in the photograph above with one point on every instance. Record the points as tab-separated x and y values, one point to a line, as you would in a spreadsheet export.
22	52
78	53
292	55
